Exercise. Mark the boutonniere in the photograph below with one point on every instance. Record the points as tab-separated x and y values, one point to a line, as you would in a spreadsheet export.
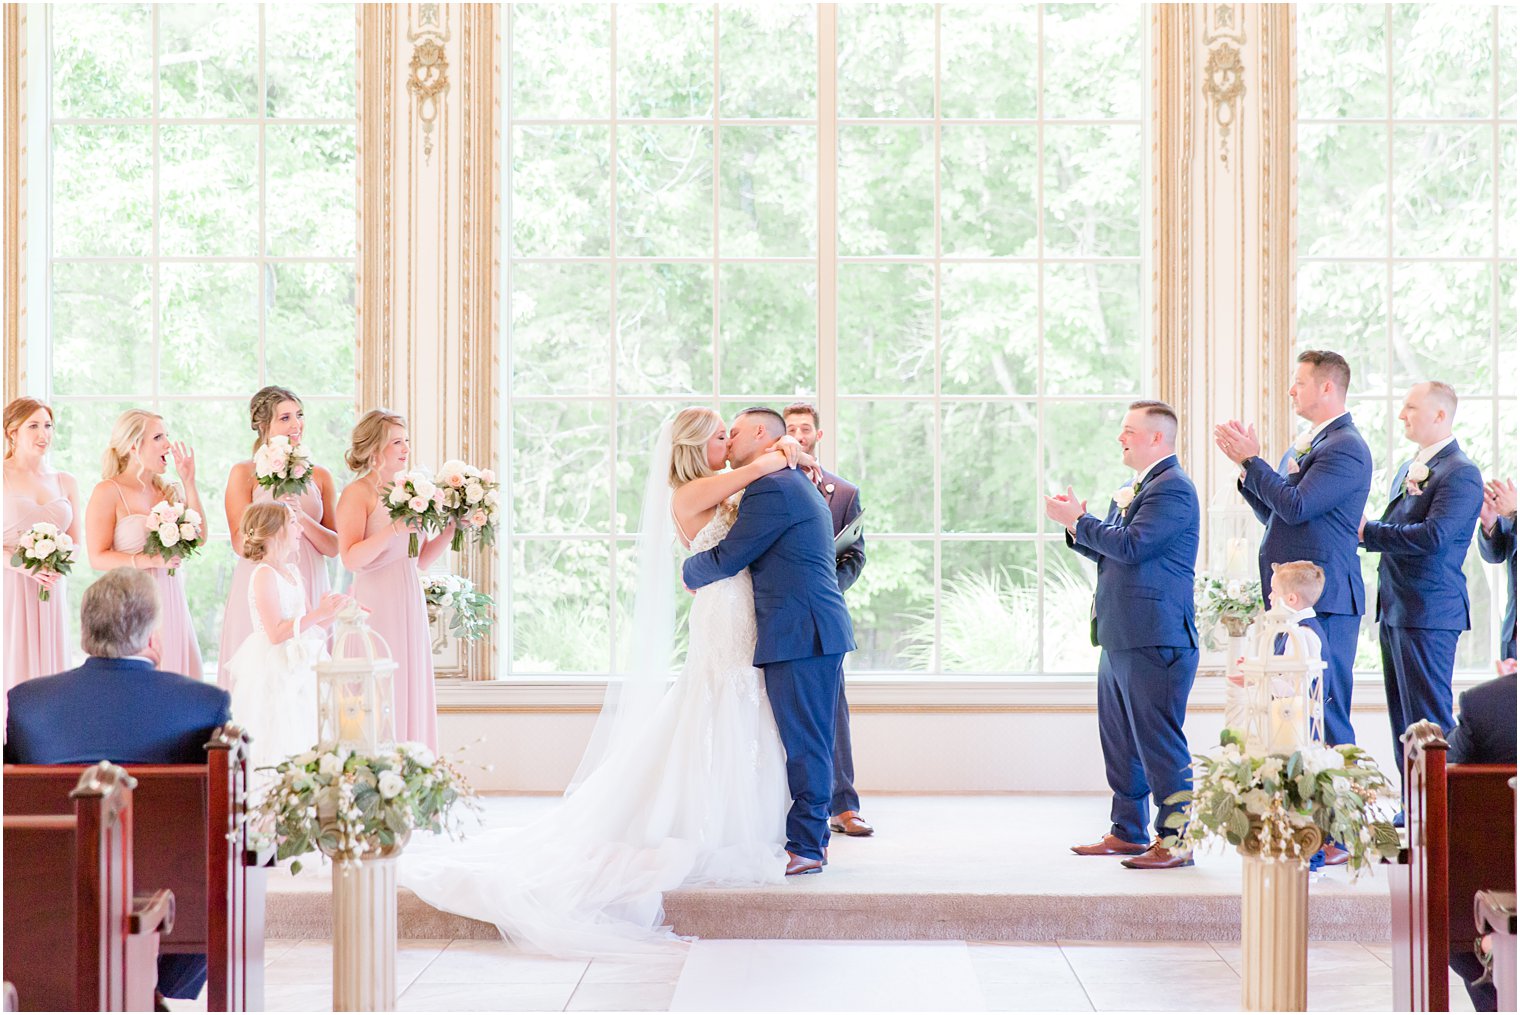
828	488
1301	445
1125	495
1415	478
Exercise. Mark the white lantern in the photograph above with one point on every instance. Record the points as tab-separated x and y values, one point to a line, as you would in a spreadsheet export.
355	686
1284	700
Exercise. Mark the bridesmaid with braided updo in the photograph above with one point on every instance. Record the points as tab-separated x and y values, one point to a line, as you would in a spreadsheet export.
274	411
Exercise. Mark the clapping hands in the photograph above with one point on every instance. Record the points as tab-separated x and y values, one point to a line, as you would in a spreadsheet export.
1064	509
1498	501
1237	440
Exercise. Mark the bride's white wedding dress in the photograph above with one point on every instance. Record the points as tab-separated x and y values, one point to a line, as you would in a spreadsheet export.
274	687
696	797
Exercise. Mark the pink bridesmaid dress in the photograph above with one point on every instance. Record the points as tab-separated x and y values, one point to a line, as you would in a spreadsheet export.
390	586
178	650
36	633
237	622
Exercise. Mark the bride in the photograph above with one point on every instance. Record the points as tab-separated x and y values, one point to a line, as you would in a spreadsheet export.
683	784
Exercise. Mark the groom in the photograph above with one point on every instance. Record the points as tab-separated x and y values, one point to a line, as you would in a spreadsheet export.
785	536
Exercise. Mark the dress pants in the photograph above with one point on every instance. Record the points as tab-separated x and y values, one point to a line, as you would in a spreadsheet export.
182	976
1417	667
804	694
1341	631
1142	699
845	797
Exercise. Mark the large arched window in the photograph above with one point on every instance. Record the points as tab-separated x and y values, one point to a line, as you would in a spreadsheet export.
929	220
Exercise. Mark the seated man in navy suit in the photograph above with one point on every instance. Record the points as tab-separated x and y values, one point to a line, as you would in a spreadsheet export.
118	707
1146	549
1422	605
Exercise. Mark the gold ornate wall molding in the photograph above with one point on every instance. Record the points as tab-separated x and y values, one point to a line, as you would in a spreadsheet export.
1223	232
13	177
428	235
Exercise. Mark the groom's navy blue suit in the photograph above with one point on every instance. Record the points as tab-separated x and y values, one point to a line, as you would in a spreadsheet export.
1312	514
1422	599
785	536
1143	620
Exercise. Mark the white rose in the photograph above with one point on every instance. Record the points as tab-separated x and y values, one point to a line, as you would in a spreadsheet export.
1257	801
390	784
305	758
1234	589
418	504
45	529
487	476
397	495
1123	496
474	493
188	531
26	540
168	533
1418	471
491	498
44	547
330	765
1301	443
65	540
421	754
192	518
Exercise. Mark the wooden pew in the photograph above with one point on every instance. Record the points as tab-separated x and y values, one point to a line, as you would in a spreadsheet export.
1460	821
76	939
192	840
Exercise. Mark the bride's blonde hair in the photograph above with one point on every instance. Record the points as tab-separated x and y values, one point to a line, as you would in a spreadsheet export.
692	428
262	525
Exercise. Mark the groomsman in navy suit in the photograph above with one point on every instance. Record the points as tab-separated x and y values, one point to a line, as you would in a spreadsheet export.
1423	536
1312	505
843	498
1496	542
1146	549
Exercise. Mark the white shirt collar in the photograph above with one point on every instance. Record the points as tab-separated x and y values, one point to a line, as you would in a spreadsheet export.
1299	616
1150	468
1316	431
1429	451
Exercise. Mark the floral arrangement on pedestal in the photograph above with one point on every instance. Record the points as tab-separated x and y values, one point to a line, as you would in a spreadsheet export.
1285	806
1232	602
453	597
351	805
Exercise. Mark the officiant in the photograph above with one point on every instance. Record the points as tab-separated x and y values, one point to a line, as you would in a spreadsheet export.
844	505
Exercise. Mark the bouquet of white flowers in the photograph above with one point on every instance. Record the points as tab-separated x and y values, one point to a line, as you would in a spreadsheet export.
353	805
173	531
1233	601
472	496
417	501
469	611
44	548
281	467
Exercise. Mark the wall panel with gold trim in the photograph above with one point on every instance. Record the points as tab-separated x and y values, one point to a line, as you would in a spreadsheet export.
428	95
13	146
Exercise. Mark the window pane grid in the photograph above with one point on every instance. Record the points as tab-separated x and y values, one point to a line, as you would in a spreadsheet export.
908	390
1422	317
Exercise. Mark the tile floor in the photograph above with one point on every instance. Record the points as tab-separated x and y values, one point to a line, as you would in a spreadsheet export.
1051	976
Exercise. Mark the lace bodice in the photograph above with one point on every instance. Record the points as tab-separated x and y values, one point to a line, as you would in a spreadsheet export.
292	595
722	621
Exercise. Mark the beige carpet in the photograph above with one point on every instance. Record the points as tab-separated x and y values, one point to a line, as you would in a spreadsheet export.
981	868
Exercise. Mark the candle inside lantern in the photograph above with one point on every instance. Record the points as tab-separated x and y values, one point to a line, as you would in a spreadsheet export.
1237	562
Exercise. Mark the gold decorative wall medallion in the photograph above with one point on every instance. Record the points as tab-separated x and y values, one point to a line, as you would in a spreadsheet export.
428	80
1224	75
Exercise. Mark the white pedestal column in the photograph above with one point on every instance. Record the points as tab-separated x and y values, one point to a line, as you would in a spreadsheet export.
1274	935
364	936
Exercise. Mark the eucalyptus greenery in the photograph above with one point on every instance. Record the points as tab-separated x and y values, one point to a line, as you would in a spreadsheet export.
352	805
470	612
1214	598
1264	804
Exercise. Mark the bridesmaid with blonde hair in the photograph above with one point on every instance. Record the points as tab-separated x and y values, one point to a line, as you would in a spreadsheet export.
386	580
36	632
274	411
116	524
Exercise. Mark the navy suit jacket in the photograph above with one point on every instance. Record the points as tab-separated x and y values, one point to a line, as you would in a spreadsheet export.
844	506
1424	541
118	710
1499	548
785	536
1485	730
1313	514
1145	558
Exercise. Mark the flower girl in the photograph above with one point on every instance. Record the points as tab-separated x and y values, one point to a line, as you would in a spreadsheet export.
274	681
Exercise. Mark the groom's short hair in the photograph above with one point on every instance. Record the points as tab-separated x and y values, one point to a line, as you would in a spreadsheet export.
774	424
1162	416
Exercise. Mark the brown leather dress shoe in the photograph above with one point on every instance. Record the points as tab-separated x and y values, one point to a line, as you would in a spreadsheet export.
849	823
1110	845
1335	855
802	865
1157	858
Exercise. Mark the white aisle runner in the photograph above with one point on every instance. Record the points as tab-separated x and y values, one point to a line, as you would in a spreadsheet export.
798	976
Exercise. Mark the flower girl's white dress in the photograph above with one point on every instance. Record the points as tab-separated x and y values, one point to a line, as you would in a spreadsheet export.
274	687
